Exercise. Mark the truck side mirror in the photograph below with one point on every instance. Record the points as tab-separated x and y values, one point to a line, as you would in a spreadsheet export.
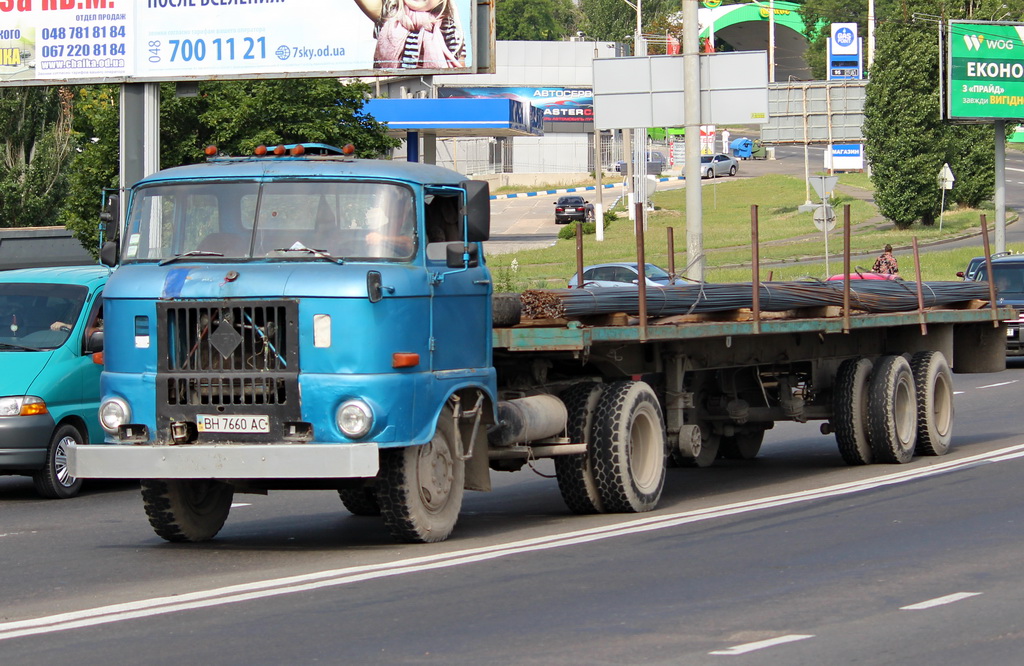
108	253
475	217
374	288
111	213
455	258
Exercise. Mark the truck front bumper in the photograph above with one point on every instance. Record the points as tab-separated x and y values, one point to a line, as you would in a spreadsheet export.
211	461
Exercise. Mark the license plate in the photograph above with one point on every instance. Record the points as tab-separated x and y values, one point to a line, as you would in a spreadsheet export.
570	210
245	424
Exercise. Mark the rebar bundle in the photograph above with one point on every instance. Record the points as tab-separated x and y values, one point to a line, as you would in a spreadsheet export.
865	295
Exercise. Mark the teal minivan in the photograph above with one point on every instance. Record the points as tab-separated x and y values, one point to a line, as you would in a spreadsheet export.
51	339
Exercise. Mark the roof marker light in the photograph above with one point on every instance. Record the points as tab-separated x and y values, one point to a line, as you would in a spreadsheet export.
260	151
349	149
210	151
279	149
298	149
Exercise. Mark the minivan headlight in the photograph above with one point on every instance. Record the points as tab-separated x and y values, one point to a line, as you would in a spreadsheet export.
22	405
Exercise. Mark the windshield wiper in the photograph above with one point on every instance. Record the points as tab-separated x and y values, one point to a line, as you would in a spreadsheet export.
190	253
319	254
8	345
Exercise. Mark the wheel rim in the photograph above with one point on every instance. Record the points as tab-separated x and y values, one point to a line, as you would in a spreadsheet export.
942	405
435	472
905	411
60	463
644	451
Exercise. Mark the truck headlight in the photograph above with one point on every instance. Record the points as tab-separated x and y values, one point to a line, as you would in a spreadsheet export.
355	418
114	413
22	405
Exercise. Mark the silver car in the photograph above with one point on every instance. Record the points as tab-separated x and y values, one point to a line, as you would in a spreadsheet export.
620	275
719	164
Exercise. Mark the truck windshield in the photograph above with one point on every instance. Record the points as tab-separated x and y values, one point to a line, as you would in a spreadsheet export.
368	221
38	316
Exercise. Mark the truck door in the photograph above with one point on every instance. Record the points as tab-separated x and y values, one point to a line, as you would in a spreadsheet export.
460	312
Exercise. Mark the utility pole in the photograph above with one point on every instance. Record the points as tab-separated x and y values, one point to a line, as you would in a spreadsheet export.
691	119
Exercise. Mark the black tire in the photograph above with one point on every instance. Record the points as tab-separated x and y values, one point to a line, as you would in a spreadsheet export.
850	411
934	384
711	173
575	473
54	480
742	446
189	510
628	453
732	170
420	488
360	501
506	310
892	411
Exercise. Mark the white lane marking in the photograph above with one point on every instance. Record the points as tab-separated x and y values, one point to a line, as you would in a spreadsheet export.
958	392
334	577
760	645
235	505
1012	381
1013	169
941	601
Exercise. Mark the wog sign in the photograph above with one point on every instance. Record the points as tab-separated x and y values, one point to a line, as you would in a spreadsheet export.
986	71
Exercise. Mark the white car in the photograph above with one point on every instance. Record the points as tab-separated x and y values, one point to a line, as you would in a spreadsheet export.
620	275
719	164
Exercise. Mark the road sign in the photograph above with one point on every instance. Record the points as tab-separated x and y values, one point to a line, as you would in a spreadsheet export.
824	218
823	185
946	178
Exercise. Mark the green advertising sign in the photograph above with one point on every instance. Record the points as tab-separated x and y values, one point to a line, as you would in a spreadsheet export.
986	71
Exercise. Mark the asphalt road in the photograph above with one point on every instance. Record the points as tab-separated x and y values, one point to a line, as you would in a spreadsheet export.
793	558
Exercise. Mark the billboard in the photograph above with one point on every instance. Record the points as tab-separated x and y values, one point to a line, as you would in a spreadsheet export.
560	105
46	42
985	71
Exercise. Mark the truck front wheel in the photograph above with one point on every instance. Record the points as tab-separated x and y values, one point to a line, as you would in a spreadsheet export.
420	488
360	501
628	452
187	509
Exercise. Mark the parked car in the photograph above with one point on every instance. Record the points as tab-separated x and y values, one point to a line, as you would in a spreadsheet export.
1008	276
620	275
571	208
719	164
50	333
656	164
974	264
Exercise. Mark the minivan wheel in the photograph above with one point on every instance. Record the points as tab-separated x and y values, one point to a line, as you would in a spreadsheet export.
54	480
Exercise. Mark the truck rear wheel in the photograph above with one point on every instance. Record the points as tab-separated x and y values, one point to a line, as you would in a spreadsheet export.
710	445
892	411
187	509
742	446
628	452
420	488
934	384
850	411
360	501
575	473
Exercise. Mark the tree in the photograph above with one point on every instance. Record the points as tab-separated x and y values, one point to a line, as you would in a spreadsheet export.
36	126
235	116
615	21
536	20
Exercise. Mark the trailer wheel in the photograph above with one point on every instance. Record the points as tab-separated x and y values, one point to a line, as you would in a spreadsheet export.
360	501
506	310
187	509
742	446
420	488
54	480
575	473
850	411
934	384
628	452
892	411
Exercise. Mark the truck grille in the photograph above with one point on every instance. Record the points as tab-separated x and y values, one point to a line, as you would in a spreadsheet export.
220	353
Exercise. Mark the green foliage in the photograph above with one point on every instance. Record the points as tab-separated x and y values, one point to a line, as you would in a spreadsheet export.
36	127
536	20
615	21
236	116
568	232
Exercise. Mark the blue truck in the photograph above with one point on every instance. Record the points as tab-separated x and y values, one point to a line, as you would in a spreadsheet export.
301	319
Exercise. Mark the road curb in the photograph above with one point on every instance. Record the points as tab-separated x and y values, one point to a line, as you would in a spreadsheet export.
518	195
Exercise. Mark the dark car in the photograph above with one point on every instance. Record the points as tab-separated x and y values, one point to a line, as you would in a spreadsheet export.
1008	276
656	164
572	208
972	266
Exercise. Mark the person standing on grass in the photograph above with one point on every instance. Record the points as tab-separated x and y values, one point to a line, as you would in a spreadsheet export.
886	263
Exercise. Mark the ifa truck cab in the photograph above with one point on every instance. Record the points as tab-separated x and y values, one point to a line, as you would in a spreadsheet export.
297	318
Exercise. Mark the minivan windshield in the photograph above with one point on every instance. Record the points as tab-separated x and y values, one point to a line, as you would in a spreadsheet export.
300	220
36	316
